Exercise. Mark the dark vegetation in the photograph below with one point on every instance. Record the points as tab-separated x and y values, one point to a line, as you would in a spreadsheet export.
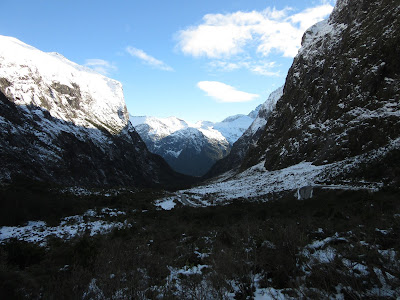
27	200
237	243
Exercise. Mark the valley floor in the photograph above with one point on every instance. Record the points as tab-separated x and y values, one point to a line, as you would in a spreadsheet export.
126	244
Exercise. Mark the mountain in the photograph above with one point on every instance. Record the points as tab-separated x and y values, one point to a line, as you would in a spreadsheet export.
249	137
191	148
341	96
337	123
64	123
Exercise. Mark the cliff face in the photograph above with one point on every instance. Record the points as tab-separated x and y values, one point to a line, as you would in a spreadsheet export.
64	123
342	94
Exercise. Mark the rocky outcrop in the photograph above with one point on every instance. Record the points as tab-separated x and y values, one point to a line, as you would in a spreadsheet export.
341	96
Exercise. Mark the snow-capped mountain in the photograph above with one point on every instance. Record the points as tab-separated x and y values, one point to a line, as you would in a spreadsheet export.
65	123
68	91
191	148
249	137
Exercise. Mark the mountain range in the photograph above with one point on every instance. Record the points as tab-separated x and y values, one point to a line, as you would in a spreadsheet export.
65	123
249	137
192	148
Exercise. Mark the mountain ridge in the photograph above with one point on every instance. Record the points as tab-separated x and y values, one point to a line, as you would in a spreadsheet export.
66	124
191	148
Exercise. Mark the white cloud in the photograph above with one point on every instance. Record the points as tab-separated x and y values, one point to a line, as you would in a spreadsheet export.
261	67
310	16
265	69
100	65
224	93
148	59
225	66
227	35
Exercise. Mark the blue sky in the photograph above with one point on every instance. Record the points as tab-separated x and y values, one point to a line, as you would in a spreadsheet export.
197	60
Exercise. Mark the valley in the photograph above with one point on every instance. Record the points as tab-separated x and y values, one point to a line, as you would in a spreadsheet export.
298	199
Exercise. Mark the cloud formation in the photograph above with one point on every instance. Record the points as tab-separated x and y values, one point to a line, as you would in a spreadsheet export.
100	65
224	93
148	59
227	35
262	67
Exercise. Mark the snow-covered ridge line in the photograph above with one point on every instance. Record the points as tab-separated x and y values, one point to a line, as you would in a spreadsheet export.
70	92
228	130
64	123
191	148
266	108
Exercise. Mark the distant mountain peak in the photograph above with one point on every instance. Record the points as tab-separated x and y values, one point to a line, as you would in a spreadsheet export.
190	148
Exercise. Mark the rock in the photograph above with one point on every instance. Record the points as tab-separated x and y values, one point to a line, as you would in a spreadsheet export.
305	192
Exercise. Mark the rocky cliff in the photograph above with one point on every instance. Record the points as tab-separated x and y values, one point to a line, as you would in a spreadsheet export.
342	94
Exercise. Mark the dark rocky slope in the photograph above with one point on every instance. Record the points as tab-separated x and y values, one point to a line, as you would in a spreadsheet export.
35	145
187	151
64	123
342	94
197	153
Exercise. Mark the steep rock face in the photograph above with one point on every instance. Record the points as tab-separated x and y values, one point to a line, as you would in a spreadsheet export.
191	148
249	137
341	96
63	123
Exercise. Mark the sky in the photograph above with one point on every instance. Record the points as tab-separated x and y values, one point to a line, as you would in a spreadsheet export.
196	60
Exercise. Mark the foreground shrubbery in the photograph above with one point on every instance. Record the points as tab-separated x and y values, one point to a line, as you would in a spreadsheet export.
338	243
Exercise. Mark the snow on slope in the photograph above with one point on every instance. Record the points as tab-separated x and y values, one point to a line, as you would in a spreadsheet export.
229	130
258	183
190	148
233	127
249	138
65	123
67	90
69	227
264	110
159	127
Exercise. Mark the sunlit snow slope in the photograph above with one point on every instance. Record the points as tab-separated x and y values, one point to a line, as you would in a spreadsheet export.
70	92
64	123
